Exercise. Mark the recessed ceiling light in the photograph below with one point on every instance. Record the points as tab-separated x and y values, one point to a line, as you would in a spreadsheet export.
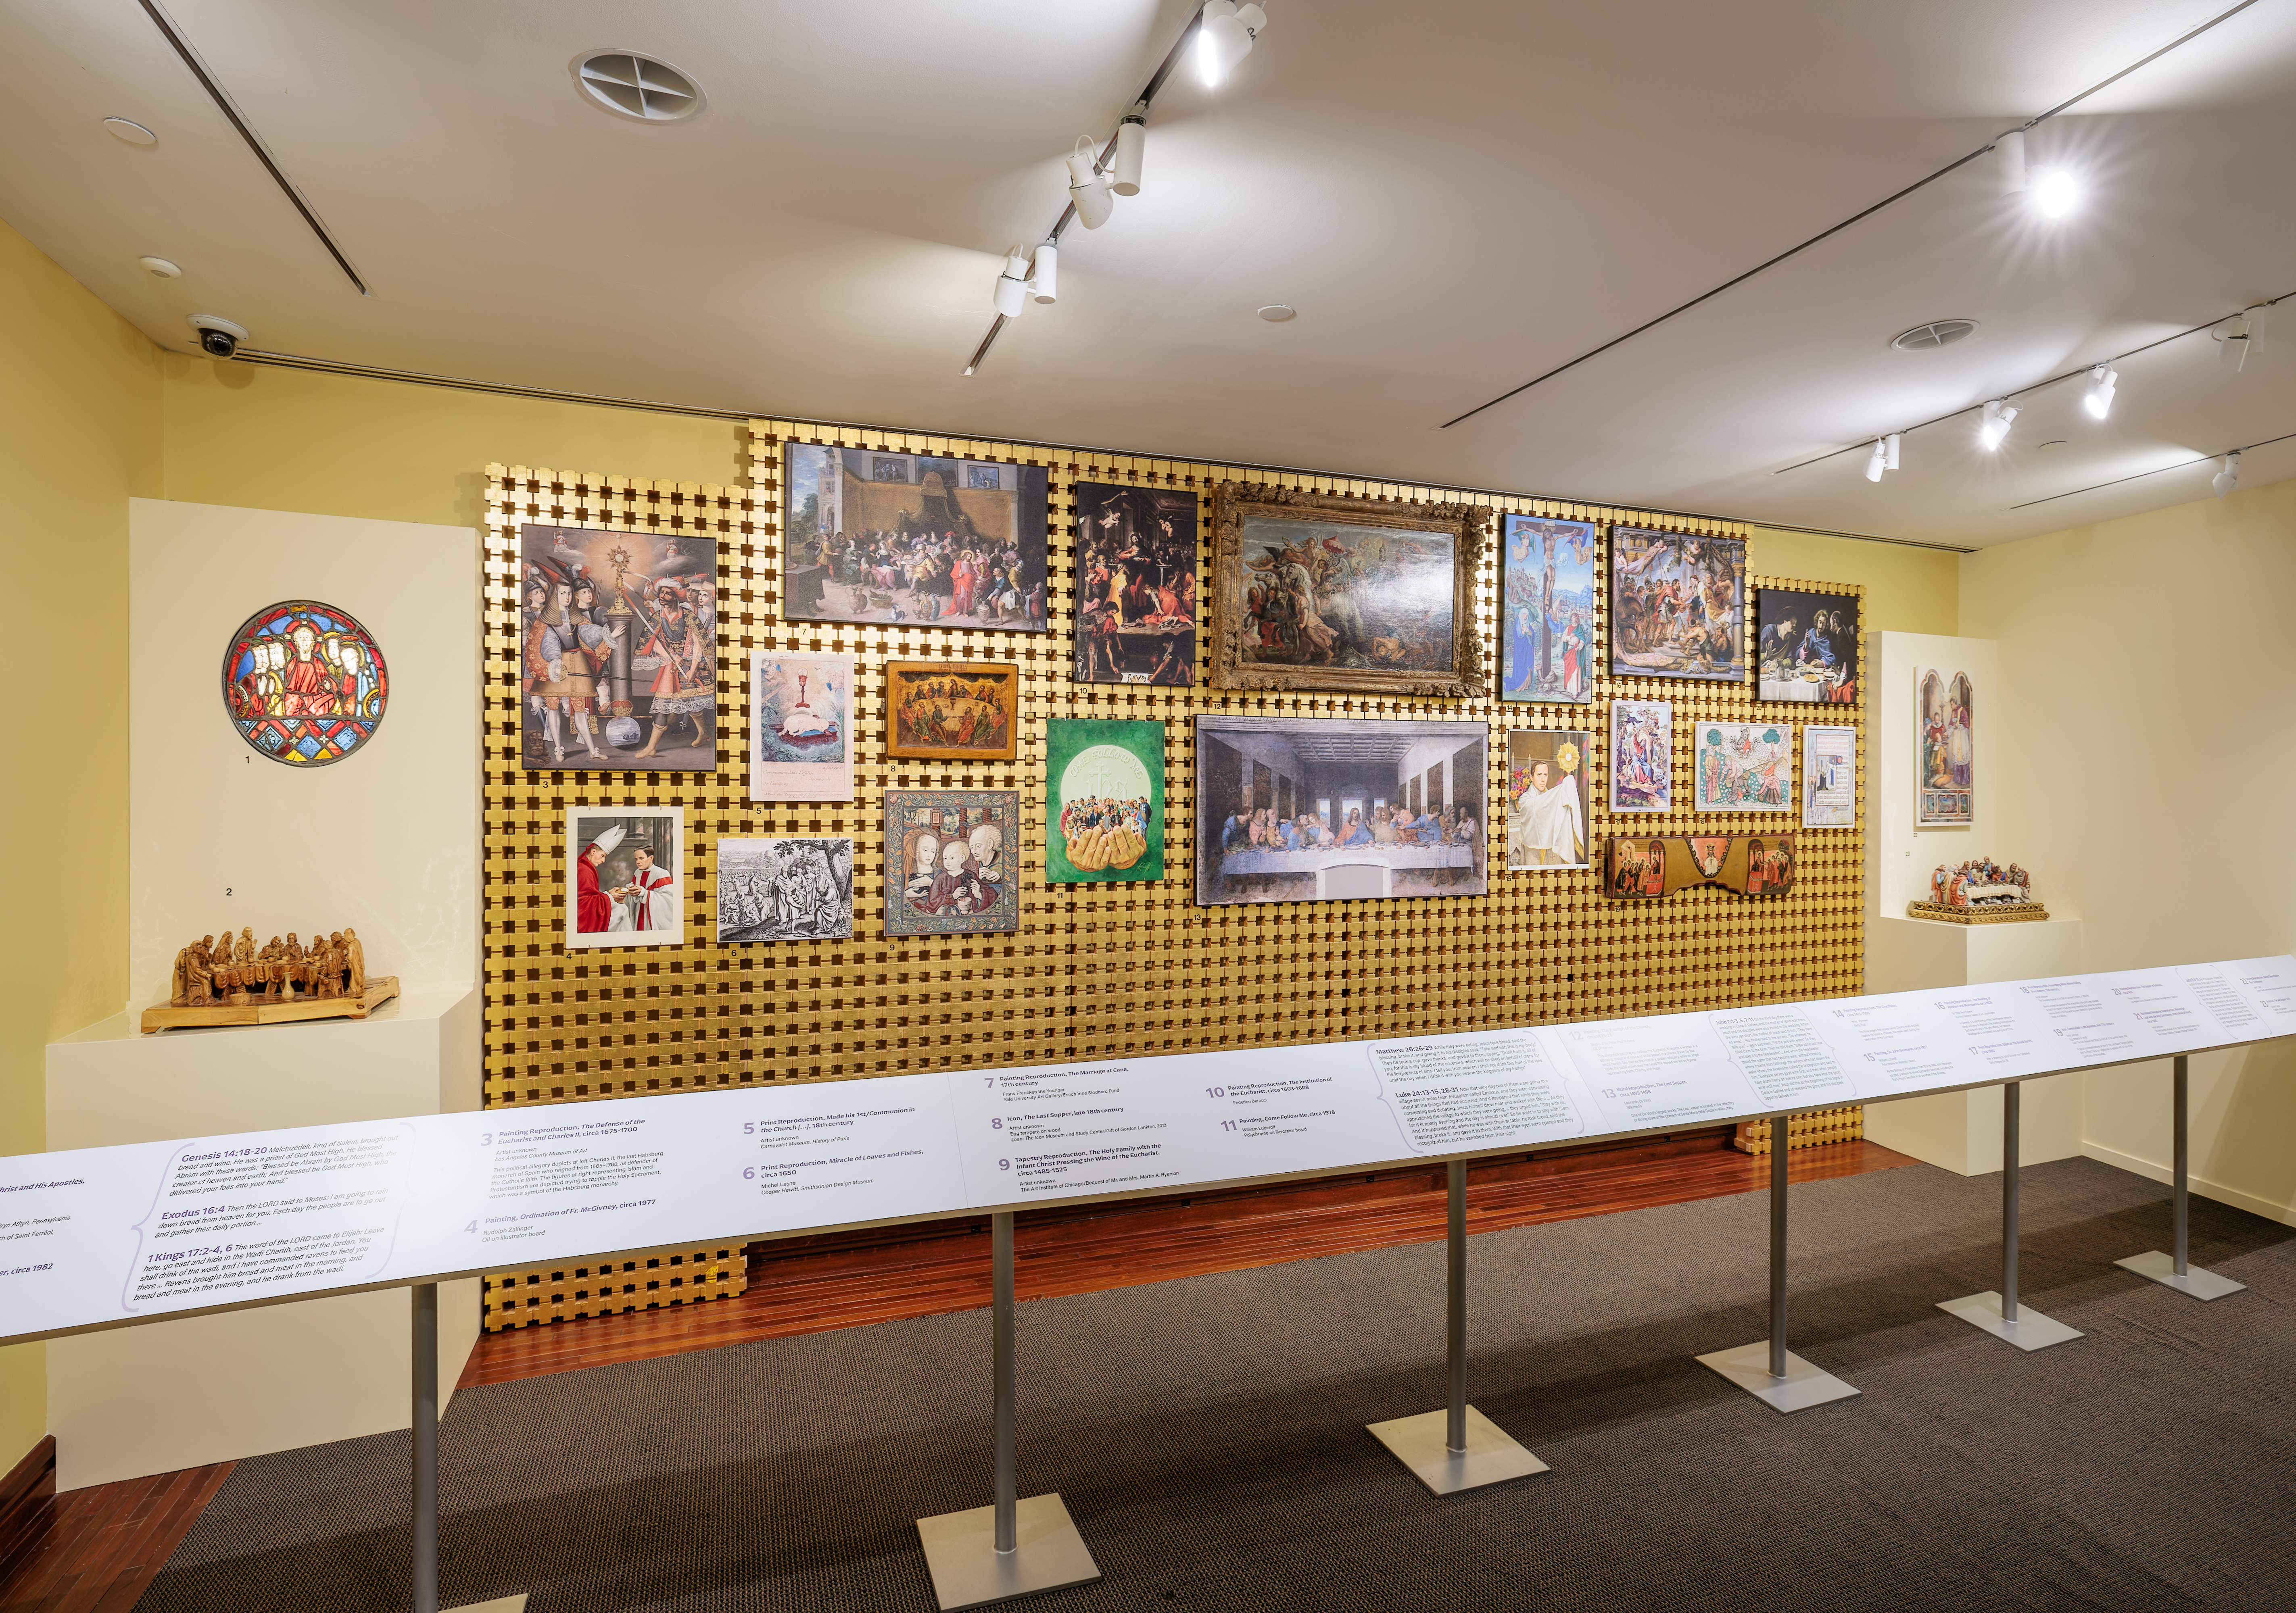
134	134
636	86
161	268
1937	333
1276	313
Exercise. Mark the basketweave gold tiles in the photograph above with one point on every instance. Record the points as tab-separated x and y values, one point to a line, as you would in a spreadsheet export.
1094	971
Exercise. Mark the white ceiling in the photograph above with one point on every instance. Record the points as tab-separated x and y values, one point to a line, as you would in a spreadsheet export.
1456	198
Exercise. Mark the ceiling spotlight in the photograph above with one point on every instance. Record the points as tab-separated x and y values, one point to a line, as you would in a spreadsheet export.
1131	143
1878	461
1225	37
1013	284
1044	274
1087	190
2225	481
2055	193
2102	382
2240	337
1998	416
2009	156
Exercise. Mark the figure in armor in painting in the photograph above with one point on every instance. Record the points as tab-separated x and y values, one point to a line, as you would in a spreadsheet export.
566	648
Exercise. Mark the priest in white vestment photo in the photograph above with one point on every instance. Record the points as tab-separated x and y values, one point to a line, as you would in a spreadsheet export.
1545	829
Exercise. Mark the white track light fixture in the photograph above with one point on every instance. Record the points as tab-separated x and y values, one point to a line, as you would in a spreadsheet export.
2009	155
1999	417
1087	190
2102	381
1884	456
1893	441
2240	337
1226	38
1045	277
1013	284
2225	481
1131	145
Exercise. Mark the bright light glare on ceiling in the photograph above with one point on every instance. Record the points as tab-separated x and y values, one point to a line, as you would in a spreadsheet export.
2055	193
1998	416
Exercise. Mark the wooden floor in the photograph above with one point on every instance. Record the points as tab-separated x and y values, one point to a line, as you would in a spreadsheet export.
816	1284
98	1548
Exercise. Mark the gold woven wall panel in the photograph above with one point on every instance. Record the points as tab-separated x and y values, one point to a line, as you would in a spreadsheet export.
1094	970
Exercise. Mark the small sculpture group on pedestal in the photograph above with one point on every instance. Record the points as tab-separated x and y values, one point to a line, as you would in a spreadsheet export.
1981	882
208	974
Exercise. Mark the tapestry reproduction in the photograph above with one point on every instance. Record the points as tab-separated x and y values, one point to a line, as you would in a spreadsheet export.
1805	646
1104	800
784	889
305	684
1547	791
623	886
953	711
950	858
1308	809
1136	578
1642	756
912	537
1678	605
1745	768
800	727
618	649
1946	793
1546	610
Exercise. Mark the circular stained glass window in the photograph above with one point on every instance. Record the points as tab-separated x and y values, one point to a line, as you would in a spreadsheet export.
304	683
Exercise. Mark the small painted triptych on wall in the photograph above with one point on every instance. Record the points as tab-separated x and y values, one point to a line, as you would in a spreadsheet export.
1944	718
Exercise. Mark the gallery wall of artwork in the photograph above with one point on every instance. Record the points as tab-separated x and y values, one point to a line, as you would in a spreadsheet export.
1073	959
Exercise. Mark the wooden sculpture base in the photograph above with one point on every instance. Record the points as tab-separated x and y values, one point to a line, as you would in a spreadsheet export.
2014	912
379	991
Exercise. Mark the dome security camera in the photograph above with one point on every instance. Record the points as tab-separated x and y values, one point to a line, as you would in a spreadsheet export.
219	338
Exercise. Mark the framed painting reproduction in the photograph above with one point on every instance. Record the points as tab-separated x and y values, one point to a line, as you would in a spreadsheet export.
1946	793
1325	809
1744	767
1546	798
952	711
1364	595
1805	646
1546	610
625	882
305	684
1678	605
870	537
949	856
1642	756
1104	801
800	727
1829	777
618	649
1135	581
784	890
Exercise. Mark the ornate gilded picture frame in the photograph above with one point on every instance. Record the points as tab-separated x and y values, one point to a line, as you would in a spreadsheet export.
1319	592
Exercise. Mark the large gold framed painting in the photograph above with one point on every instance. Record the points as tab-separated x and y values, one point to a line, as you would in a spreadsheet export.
1308	809
1363	595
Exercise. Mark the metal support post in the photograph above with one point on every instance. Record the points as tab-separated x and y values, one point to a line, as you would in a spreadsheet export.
2176	1269
1011	1547
424	1309
1997	1312
1456	1448
1768	1370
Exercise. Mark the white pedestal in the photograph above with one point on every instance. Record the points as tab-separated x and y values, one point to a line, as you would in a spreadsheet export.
174	1394
1961	1131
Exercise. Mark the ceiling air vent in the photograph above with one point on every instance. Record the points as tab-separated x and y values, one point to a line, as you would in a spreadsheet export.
1937	333
636	86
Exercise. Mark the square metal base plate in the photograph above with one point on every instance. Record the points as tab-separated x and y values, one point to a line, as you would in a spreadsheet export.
968	1571
1802	1387
2198	1283
1490	1456
2031	1332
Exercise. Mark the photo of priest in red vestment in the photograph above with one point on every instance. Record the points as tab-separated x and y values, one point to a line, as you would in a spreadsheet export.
594	909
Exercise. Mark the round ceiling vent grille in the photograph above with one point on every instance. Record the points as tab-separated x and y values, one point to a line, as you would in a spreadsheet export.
1937	333
636	86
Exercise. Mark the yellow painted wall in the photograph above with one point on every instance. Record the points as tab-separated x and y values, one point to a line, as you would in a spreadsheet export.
337	445
2148	743
1907	590
79	435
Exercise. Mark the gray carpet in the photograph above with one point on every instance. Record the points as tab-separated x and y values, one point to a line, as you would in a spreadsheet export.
1207	1436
